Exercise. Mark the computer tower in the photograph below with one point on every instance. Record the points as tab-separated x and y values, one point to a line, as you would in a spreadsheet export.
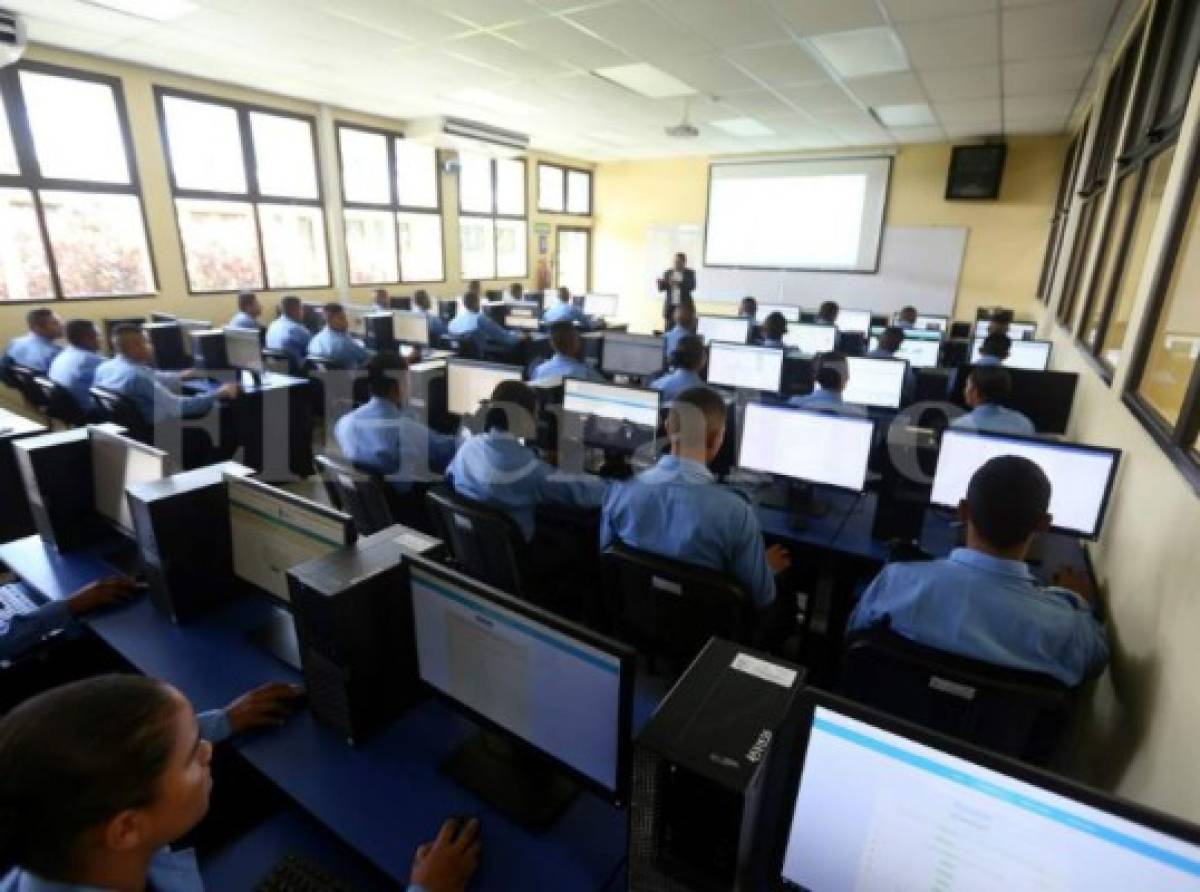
427	394
378	332
355	631
710	774
167	340
852	343
56	470
16	521
209	349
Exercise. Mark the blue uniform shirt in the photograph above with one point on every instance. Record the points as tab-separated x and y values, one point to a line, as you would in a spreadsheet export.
337	347
677	510
771	342
33	351
994	419
141	385
242	320
674	383
291	337
382	437
827	400
673	337
486	333
563	312
880	353
437	328
985	359
74	370
495	469
988	609
559	366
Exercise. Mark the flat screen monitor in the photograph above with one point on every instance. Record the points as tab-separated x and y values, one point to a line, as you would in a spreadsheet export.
602	306
356	315
878	383
1081	477
918	353
615	418
626	354
1018	331
731	329
119	462
932	323
790	312
469	383
1032	355
748	368
564	690
243	349
854	320
911	334
378	330
882	804
836	448
163	317
809	338
410	328
274	531
189	326
523	323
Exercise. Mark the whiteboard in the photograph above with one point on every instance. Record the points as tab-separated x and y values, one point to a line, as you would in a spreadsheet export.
918	265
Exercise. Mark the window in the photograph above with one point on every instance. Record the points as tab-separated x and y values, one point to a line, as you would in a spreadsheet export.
564	190
491	222
1062	212
71	221
392	207
247	194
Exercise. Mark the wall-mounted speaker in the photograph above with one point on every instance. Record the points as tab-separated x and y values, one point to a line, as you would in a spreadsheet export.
975	172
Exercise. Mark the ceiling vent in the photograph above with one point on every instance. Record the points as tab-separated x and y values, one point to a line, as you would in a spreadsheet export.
468	136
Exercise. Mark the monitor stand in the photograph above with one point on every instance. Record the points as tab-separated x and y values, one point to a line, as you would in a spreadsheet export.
522	784
277	636
803	504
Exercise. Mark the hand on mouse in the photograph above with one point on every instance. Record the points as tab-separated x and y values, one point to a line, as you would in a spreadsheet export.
110	592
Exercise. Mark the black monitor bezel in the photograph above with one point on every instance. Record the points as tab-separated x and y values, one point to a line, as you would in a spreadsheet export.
647	340
840	416
781	351
458	361
583	416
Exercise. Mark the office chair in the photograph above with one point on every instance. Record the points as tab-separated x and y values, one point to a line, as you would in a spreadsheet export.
120	410
24	379
60	404
1014	712
278	361
485	542
359	495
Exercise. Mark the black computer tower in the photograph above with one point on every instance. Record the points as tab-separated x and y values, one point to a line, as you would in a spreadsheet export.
167	340
56	470
16	521
378	331
209	350
710	774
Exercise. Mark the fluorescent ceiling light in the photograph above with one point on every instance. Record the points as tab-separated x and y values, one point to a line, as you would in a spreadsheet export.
743	127
493	101
155	10
916	115
863	52
651	82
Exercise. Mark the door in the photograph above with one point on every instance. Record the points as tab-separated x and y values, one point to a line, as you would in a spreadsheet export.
574	259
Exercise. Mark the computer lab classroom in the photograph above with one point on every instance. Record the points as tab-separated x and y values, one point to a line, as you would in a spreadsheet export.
569	445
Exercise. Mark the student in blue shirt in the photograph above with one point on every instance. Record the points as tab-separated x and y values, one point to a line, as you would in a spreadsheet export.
36	350
22	632
982	602
889	342
774	327
333	343
831	375
249	309
565	363
686	323
487	334
988	387
994	350
288	334
564	310
437	328
748	309
906	318
676	508
687	362
383	437
494	468
74	369
827	313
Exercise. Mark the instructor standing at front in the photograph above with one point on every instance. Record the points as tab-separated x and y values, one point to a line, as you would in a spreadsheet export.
677	285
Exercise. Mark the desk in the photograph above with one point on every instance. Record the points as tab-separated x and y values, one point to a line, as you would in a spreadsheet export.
382	798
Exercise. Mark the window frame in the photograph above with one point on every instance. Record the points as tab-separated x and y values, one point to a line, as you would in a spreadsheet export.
29	174
495	215
252	196
394	207
566	170
1062	213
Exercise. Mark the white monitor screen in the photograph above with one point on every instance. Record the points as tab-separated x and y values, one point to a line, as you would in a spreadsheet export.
789	312
469	384
552	690
243	349
602	305
612	401
835	451
1080	476
878	383
732	329
410	328
1034	355
932	323
1018	331
854	320
810	339
525	323
876	810
119	462
749	368
919	353
625	354
797	214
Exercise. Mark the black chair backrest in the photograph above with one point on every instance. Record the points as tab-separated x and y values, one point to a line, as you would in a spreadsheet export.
60	404
668	609
484	541
358	494
25	380
120	410
1014	712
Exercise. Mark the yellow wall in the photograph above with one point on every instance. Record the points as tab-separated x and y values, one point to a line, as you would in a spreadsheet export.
1005	243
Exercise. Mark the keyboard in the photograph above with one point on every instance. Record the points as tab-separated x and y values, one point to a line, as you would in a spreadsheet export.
294	874
15	600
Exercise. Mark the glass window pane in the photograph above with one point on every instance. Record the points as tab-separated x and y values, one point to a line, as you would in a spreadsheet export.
371	247
1182	67
8	154
66	113
294	245
205	145
1139	245
416	174
579	192
24	272
475	184
550	188
510	186
364	166
99	243
285	157
478	248
1110	253
220	244
512	256
421	247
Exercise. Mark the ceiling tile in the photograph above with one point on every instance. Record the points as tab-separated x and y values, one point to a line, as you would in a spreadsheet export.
60	34
780	64
1046	75
810	17
487	13
916	10
887	89
640	29
918	134
726	24
820	98
975	82
1046	105
957	132
974	111
404	18
493	52
857	129
1056	29
952	43
81	17
759	104
557	39
708	74
1035	125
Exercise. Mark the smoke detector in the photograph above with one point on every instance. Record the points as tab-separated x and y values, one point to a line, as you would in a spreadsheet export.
685	129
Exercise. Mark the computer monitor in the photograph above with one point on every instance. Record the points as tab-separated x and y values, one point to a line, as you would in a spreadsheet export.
910	334
815	447
933	323
208	349
630	354
410	328
189	327
535	677
377	330
809	338
878	383
163	317
854	320
790	312
617	419
1032	355
400	303
602	306
356	315
883	804
243	349
524	317
917	352
118	462
731	329
1081	477
1045	398
167	340
1018	331
470	383
749	368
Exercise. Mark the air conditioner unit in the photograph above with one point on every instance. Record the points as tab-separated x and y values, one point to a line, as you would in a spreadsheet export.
468	136
12	37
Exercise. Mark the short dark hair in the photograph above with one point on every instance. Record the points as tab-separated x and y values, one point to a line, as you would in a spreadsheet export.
751	302
470	300
76	756
332	309
38	316
688	353
775	326
507	395
1006	498
828	311
290	304
893	334
421	298
829	370
992	382
380	368
696	401
1003	315
474	285
564	293
245	299
562	336
77	330
121	331
908	311
997	345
